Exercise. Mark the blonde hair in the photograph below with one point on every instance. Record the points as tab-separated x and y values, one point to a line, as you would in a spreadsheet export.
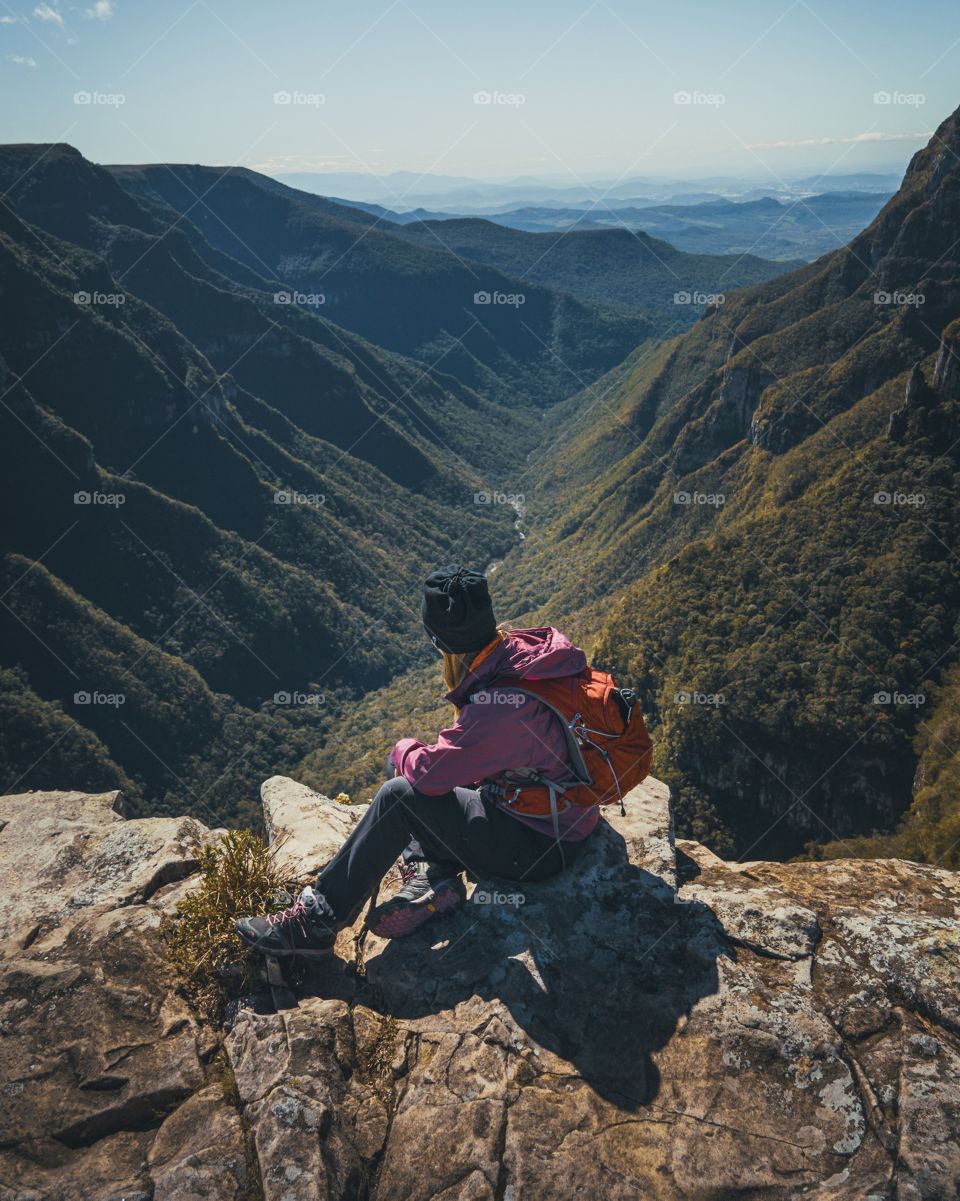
456	668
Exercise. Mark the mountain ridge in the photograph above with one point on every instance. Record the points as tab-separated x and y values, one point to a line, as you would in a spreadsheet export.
703	519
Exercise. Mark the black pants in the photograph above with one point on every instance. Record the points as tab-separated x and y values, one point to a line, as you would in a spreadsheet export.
461	829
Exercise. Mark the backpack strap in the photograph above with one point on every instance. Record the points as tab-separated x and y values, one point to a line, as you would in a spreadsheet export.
552	788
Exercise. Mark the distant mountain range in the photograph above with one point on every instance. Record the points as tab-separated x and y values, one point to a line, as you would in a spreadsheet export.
420	301
404	190
794	230
800	229
621	265
416	290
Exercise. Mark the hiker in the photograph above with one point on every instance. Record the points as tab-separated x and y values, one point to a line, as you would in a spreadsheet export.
496	795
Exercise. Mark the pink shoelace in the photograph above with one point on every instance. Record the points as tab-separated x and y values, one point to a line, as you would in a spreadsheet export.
407	872
296	913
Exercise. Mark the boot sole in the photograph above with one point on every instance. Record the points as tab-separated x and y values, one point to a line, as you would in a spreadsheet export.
399	922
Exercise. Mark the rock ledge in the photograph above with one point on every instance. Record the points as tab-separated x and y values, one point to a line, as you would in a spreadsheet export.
767	1030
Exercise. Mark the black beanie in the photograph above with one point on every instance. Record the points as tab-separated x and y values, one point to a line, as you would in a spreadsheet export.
457	610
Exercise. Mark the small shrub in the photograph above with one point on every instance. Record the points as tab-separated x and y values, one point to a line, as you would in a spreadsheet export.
238	876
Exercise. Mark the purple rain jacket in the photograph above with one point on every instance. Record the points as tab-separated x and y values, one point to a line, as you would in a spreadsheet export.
489	738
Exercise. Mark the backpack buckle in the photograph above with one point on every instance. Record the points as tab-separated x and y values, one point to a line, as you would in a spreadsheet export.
502	791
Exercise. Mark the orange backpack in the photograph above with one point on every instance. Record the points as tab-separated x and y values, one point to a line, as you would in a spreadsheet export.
607	744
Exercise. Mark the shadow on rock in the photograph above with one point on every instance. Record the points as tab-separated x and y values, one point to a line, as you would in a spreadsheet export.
596	966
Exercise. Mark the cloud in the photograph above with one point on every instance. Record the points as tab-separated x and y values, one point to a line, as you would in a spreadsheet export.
23	59
860	137
101	11
8	20
44	12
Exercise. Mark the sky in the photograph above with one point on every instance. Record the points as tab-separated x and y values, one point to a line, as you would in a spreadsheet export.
567	89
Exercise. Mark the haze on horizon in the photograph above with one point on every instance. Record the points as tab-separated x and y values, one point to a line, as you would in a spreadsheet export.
569	91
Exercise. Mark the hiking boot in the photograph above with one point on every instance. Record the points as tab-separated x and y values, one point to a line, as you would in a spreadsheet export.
306	928
427	890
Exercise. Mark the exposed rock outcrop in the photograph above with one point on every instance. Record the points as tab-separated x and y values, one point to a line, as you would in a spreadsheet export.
766	1030
946	373
100	1056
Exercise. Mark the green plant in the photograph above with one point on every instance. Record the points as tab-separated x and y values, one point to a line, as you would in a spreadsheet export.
238	876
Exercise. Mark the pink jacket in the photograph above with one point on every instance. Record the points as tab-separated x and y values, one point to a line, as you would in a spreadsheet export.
510	730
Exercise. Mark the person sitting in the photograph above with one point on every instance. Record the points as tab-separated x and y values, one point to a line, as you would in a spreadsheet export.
443	811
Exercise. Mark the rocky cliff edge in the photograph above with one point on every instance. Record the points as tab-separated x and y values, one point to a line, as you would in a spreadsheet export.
658	1023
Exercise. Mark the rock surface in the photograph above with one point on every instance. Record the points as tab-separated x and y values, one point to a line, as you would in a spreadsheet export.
766	1030
98	1051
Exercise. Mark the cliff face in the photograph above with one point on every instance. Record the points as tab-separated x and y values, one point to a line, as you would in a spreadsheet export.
659	1023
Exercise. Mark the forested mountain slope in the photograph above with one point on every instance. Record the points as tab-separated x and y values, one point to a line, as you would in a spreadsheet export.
771	517
421	301
757	523
211	500
621	264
